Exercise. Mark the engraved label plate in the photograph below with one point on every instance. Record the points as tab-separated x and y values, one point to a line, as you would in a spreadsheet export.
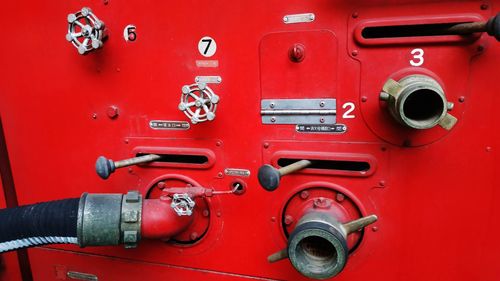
321	128
208	79
237	172
299	18
168	125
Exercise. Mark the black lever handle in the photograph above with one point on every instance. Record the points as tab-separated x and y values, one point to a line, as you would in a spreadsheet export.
105	167
269	177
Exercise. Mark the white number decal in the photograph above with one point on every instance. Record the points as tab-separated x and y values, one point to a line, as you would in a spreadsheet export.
129	33
207	46
418	57
347	113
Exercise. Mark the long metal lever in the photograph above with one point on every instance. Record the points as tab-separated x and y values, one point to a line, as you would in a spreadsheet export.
269	177
105	167
492	27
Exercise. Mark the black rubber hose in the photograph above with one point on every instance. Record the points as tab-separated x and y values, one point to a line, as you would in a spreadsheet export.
39	224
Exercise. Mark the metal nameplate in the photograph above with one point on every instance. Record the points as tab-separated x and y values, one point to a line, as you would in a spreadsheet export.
208	79
321	128
299	111
299	18
81	276
237	172
168	125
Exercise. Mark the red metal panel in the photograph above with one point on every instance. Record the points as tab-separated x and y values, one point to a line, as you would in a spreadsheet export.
437	203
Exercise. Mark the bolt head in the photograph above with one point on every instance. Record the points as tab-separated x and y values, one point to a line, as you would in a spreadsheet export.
112	112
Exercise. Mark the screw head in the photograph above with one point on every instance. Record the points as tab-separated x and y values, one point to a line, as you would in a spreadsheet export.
322	104
461	99
322	120
364	98
273	119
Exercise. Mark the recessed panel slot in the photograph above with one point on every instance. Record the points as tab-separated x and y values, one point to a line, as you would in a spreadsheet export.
180	158
394	31
340	164
194	158
409	30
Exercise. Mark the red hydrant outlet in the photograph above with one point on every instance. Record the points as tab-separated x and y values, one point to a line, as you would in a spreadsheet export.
160	221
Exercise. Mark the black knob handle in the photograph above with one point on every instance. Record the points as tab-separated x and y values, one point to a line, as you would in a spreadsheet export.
493	27
104	167
269	177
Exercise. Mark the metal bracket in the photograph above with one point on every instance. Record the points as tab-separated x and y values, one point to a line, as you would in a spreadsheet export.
299	111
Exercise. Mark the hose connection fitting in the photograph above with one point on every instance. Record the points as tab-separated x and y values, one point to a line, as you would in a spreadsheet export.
109	219
317	247
418	102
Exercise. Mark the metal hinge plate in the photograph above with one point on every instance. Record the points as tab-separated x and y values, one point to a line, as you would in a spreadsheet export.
298	111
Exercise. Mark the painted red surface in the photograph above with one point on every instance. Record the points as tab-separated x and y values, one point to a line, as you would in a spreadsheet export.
438	203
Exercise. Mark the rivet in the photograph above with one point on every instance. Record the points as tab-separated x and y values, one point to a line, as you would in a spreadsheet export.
218	143
364	98
304	194
266	145
218	214
322	120
194	235
461	99
219	175
205	213
288	220
355	15
273	219
354	53
381	183
339	197
322	104
488	148
374	229
271	105
94	115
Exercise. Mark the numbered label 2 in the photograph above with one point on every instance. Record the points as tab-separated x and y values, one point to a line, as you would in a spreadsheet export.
207	46
349	108
129	33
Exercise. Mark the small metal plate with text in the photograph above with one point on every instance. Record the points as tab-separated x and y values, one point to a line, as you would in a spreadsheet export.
237	172
321	128
168	125
298	18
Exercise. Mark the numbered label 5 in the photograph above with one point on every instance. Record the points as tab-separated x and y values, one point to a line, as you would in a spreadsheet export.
349	108
418	57
207	46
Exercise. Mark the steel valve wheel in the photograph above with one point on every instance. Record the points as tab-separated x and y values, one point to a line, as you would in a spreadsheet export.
85	31
198	102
